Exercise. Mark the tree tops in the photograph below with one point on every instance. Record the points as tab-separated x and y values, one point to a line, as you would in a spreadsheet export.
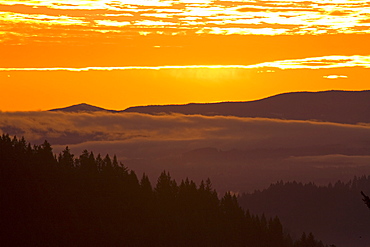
63	200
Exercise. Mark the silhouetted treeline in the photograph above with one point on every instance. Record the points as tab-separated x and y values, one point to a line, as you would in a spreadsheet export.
89	200
366	199
335	213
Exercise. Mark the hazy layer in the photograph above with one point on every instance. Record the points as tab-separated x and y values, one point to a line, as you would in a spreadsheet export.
237	153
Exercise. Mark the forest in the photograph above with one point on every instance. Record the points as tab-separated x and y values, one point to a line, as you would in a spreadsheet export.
88	200
335	211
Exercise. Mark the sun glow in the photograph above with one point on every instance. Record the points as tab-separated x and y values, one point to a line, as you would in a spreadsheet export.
178	51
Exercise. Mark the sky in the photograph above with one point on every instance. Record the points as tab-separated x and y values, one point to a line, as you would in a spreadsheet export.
117	54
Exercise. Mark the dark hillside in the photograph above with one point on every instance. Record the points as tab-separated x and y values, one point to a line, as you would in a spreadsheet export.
82	108
336	212
329	106
96	201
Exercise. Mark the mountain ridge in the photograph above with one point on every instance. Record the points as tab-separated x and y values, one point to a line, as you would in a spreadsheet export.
328	106
349	107
82	107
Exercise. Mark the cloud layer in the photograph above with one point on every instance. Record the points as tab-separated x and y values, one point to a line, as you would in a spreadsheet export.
324	62
20	20
239	154
195	130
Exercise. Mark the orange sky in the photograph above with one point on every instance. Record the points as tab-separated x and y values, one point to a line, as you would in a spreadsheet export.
113	52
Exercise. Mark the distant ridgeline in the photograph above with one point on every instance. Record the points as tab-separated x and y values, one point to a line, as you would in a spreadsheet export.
328	106
49	200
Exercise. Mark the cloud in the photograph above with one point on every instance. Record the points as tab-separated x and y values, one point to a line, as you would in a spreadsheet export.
336	61
335	76
95	16
325	62
178	132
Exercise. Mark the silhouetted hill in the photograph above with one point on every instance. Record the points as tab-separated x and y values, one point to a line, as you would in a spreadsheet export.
336	213
81	108
328	106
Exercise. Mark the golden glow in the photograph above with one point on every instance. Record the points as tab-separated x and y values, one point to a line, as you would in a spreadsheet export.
119	89
116	54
